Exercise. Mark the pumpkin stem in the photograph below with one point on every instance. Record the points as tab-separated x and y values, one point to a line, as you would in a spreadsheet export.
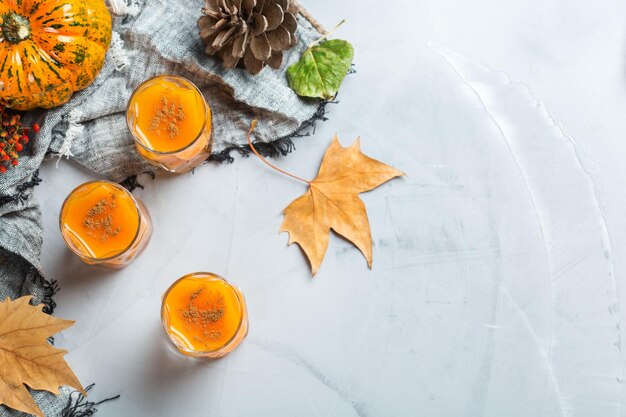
15	28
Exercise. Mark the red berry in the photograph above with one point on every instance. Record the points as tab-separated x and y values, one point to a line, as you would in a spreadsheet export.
25	139
2	145
36	127
19	147
14	162
5	157
3	169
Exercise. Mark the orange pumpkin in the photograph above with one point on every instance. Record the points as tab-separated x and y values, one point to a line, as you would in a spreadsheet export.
49	49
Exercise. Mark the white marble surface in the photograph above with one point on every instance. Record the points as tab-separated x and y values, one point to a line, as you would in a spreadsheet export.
498	284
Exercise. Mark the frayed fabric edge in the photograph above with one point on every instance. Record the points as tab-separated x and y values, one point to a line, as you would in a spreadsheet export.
124	7
132	183
74	131
279	147
23	191
79	406
118	53
50	288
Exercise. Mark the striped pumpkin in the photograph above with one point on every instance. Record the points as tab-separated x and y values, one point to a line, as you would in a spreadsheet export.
49	49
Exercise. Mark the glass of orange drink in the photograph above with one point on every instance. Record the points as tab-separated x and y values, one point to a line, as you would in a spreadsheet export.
204	316
104	224
171	123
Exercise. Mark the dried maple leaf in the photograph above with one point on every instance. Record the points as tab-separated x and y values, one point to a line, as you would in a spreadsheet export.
26	356
332	202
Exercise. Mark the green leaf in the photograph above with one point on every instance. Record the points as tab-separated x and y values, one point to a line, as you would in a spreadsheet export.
321	69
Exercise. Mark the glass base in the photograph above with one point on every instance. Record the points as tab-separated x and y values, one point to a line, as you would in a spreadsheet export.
181	166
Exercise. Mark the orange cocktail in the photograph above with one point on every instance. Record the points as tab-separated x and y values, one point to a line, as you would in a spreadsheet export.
204	316
103	224
171	123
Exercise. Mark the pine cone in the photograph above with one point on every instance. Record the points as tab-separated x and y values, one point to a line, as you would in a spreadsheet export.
249	33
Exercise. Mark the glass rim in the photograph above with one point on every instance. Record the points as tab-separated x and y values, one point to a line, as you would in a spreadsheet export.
207	113
120	253
240	300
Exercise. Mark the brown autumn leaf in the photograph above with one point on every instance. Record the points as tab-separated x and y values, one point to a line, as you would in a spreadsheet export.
332	202
26	356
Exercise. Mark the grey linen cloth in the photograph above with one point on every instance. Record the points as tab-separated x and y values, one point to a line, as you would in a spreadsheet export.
156	37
